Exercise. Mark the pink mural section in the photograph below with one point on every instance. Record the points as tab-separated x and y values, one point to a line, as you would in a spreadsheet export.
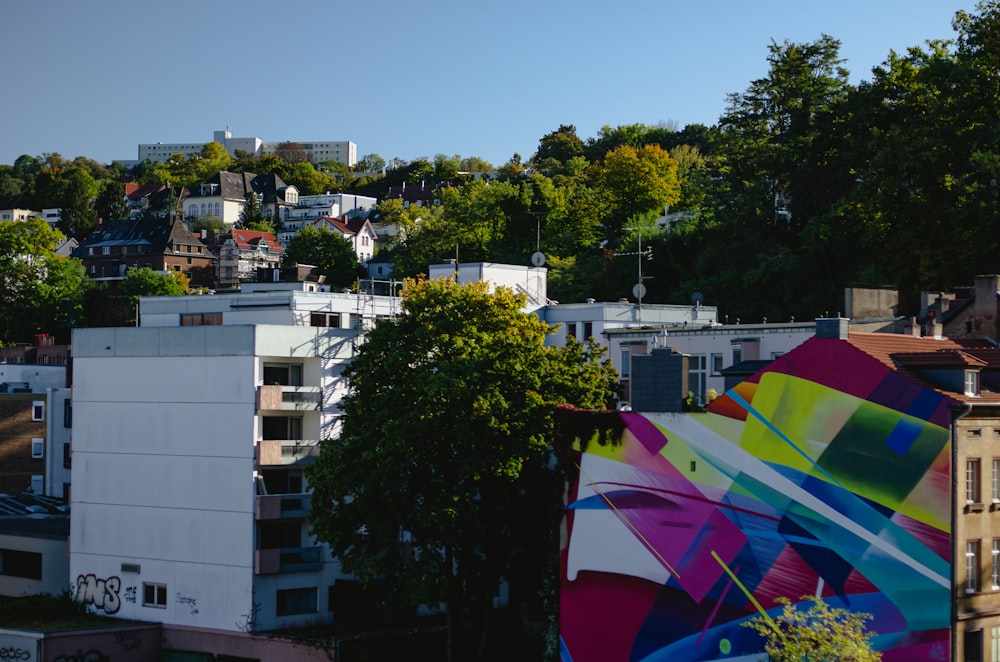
801	481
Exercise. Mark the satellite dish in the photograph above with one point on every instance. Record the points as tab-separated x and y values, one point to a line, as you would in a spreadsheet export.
697	299
639	291
538	258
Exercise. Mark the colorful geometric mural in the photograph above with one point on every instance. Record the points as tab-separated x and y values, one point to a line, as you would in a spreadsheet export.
828	474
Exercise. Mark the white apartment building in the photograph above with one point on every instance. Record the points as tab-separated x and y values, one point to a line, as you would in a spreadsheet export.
190	434
342	151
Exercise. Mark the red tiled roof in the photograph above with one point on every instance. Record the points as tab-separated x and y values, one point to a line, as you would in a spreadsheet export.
250	239
907	354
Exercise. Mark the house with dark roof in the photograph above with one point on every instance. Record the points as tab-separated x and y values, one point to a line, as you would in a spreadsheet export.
157	243
224	195
146	199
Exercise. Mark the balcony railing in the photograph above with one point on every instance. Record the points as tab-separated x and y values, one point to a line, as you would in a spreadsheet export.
273	452
289	398
281	506
289	559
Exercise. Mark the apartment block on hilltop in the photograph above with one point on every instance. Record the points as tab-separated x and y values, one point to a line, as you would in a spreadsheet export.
342	151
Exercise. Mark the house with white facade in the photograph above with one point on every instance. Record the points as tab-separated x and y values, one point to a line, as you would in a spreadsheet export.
190	435
224	195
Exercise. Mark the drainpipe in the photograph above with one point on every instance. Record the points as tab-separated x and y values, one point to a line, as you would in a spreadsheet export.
954	526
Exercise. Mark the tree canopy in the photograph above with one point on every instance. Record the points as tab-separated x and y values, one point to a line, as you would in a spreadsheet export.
818	633
329	251
445	437
41	291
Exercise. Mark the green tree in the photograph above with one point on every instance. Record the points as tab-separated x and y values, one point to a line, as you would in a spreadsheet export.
370	163
144	282
251	212
446	434
41	291
111	203
636	182
818	634
329	251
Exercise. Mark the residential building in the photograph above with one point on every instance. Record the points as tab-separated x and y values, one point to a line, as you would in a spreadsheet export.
190	434
17	214
35	429
342	151
159	244
241	253
34	551
161	200
223	196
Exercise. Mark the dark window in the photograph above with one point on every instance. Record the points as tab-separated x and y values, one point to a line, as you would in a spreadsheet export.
296	601
973	646
67	457
154	595
67	413
16	563
588	330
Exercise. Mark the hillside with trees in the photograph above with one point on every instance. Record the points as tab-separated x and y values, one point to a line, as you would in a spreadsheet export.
807	184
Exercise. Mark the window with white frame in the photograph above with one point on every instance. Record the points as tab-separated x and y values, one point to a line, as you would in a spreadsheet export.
995	573
154	595
737	353
972	480
972	382
697	376
37	484
996	480
38	410
626	362
716	364
37	448
972	566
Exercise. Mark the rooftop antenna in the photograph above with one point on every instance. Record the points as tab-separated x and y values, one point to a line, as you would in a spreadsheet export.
639	290
538	257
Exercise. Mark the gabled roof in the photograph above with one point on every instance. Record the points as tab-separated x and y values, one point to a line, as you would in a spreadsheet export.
235	185
156	233
252	239
909	355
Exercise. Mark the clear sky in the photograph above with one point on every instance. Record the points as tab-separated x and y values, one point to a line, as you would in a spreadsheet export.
404	79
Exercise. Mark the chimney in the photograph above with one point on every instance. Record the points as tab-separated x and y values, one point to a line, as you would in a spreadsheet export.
832	327
914	328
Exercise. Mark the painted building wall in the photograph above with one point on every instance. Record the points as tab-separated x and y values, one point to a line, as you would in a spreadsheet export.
826	474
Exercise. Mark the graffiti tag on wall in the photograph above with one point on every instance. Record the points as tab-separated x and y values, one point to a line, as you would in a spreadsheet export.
102	593
12	654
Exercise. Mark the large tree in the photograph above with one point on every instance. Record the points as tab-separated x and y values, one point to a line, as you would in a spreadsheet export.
815	633
41	291
329	251
445	445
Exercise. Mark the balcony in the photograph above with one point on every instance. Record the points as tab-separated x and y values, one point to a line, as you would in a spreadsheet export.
281	506
289	398
289	559
274	452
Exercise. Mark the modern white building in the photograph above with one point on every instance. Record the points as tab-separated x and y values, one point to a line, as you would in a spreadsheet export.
342	151
190	434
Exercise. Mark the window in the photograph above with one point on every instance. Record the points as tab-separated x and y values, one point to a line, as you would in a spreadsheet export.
996	480
37	484
588	330
697	375
626	362
737	353
201	319
67	413
38	410
286	374
67	456
972	382
972	480
106	250
571	330
37	448
716	364
995	573
154	595
972	566
331	320
296	601
972	642
17	563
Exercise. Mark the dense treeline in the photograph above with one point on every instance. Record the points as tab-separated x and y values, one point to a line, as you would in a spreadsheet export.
805	185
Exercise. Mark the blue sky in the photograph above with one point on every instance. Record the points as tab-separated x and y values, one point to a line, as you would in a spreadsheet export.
404	79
